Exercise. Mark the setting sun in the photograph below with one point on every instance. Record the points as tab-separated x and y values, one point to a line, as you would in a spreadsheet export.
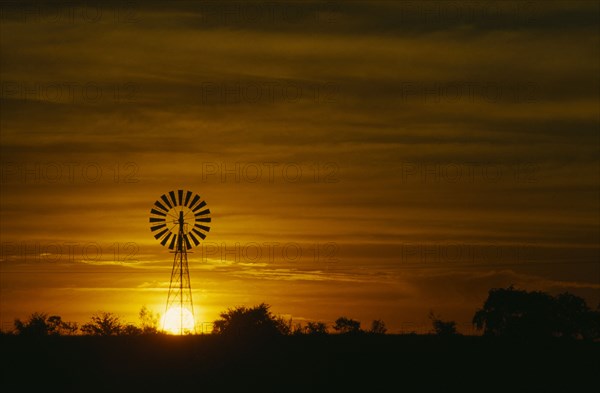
178	321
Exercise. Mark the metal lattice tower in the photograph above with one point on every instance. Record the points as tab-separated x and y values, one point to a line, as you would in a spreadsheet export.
180	288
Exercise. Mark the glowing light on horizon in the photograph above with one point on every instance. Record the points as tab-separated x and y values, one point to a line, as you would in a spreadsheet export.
178	321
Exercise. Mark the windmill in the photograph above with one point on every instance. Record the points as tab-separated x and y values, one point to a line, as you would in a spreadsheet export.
177	220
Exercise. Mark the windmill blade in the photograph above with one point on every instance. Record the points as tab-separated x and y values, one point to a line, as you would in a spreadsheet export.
180	197
166	239
196	241
161	234
207	229
160	206
157	227
202	213
166	200
197	232
158	213
196	198
172	194
172	245
187	242
188	195
205	219
200	205
156	219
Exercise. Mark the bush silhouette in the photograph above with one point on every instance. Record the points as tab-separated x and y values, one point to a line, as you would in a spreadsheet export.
442	328
148	321
251	321
35	326
104	324
316	328
40	324
378	327
347	326
131	330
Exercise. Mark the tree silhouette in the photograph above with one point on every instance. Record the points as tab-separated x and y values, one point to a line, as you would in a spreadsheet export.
316	328
378	327
35	326
148	321
57	326
575	319
39	324
103	324
253	321
442	328
346	325
518	313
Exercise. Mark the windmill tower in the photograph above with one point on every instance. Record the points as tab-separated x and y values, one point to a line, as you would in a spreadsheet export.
177	221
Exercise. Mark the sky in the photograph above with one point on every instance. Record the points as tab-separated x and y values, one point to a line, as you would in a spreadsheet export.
375	160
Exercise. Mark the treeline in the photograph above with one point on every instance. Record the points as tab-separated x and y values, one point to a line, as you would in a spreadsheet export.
258	320
507	312
100	324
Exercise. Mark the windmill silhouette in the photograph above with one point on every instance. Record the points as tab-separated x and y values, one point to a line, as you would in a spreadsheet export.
177	221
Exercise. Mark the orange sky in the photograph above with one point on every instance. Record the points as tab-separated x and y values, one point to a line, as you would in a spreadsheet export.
415	154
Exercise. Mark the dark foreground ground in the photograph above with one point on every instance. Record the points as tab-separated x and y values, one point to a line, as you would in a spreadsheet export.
305	363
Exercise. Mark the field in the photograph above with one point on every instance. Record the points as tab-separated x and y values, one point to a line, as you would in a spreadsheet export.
296	363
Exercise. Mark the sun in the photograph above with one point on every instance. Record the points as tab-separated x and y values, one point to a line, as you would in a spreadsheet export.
178	321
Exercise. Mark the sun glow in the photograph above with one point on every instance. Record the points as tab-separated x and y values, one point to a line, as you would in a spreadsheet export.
178	321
